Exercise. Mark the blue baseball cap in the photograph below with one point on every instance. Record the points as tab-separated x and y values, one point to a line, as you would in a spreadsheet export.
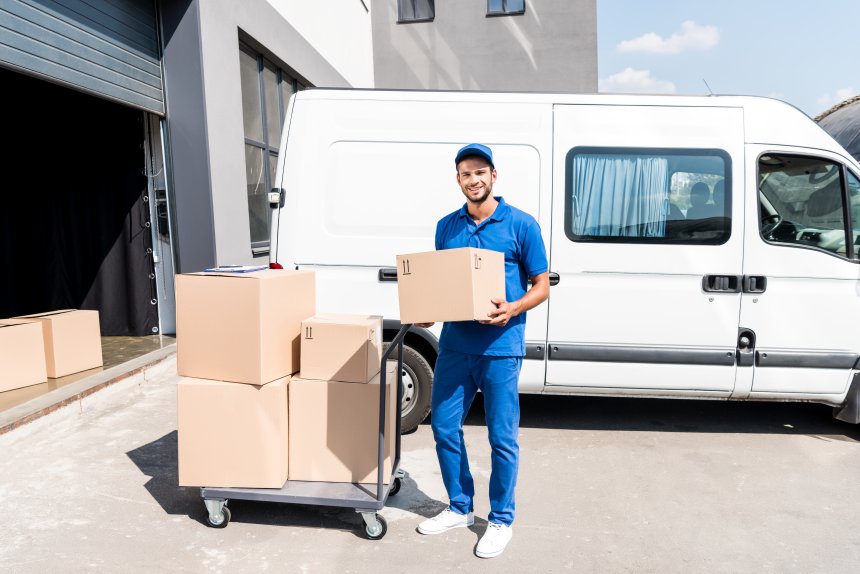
475	149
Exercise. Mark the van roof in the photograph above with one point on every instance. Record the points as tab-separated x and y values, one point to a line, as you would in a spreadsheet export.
766	120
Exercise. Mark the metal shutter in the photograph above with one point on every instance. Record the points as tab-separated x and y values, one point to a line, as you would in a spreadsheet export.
107	47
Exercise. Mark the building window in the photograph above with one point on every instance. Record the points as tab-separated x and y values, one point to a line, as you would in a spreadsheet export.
503	7
617	195
265	92
415	10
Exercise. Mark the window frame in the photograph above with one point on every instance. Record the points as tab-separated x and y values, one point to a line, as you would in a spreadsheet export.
261	248
402	20
852	253
504	11
628	240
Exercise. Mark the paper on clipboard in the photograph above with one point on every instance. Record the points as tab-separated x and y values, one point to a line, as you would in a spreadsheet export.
236	268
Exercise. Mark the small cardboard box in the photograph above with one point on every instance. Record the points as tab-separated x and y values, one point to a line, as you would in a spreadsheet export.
449	285
72	340
334	429
232	435
22	354
242	327
346	348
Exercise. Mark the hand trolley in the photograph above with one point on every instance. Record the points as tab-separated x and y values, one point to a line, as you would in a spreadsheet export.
339	494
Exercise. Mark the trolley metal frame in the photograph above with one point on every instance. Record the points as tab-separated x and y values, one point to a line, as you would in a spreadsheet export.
339	494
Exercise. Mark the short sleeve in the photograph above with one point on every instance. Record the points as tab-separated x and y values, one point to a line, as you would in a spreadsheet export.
439	234
534	259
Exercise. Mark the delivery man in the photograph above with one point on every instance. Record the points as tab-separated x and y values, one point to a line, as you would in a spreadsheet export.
485	355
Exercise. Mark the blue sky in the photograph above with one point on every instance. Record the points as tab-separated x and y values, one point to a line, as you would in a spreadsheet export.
805	53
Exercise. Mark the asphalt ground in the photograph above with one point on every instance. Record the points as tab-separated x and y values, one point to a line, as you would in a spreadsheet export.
605	485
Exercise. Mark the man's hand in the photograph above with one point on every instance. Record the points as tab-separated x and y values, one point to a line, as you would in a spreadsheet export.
424	325
503	312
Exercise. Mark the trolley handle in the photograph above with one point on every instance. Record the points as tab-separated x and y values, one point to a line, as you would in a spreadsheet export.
396	343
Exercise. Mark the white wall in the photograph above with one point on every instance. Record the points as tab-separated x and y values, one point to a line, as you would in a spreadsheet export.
340	30
220	25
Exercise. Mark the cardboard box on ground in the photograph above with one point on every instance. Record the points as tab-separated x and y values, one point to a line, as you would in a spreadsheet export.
22	354
71	341
449	285
242	327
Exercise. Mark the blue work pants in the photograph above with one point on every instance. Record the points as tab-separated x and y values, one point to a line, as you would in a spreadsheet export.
457	378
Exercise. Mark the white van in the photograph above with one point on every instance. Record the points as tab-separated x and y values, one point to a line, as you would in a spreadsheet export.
703	247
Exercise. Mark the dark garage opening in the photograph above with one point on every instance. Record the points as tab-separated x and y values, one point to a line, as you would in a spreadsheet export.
74	220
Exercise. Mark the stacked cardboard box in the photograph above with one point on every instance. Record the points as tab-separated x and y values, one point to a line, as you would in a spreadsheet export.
22	355
36	347
238	343
449	285
335	401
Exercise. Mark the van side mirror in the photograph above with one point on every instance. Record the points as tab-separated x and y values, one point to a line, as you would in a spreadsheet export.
277	197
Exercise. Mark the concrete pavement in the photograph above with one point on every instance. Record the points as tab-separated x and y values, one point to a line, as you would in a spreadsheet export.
606	485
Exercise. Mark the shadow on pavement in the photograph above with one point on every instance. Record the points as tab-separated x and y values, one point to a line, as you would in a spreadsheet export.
158	460
673	415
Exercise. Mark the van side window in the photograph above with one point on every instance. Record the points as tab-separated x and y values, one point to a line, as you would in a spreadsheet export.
648	196
802	202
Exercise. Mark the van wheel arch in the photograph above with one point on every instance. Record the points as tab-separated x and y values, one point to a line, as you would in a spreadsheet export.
419	359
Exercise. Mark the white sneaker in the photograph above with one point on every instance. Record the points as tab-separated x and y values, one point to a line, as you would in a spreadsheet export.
444	521
494	540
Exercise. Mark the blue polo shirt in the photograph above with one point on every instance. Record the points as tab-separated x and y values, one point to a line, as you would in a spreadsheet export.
516	234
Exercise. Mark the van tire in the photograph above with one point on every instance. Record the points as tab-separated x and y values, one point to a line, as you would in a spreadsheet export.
417	382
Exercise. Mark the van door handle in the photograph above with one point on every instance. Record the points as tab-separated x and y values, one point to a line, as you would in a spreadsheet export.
553	279
721	283
755	283
388	274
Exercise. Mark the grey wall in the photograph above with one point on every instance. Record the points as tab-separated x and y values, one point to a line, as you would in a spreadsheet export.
193	230
204	117
552	47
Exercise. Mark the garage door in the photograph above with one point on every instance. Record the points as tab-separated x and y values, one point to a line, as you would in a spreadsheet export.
107	47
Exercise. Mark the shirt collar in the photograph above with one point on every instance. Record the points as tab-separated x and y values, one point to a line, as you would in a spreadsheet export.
502	209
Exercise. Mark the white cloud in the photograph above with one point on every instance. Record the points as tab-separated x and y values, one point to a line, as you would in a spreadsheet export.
827	100
845	93
691	37
635	81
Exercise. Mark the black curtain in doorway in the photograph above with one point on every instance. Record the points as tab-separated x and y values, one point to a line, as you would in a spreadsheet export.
73	215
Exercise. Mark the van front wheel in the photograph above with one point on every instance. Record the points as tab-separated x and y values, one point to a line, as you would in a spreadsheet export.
417	382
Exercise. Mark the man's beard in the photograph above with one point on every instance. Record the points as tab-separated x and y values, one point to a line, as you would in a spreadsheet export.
482	198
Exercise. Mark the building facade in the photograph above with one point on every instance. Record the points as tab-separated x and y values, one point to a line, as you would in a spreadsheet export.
504	45
142	135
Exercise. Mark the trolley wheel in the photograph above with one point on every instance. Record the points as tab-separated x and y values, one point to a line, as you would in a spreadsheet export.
395	488
378	531
225	519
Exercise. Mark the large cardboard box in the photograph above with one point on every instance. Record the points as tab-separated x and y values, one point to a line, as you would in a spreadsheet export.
22	354
334	429
346	348
449	285
72	340
242	327
233	435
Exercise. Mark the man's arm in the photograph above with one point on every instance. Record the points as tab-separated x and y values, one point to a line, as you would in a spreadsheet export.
537	294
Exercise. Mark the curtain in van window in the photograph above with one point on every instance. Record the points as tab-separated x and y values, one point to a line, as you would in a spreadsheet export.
620	196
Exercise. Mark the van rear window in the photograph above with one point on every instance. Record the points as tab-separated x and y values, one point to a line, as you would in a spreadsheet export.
625	195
